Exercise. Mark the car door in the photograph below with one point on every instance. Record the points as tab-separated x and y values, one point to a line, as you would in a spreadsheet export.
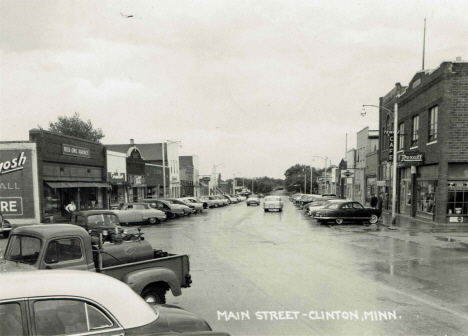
70	316
127	214
359	211
346	211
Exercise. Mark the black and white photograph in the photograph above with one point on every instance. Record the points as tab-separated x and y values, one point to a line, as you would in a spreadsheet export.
233	167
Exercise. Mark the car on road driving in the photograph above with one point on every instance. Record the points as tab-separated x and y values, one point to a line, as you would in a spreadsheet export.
273	203
253	199
84	303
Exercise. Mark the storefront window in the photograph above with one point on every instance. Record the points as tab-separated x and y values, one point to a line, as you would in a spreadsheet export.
426	196
457	202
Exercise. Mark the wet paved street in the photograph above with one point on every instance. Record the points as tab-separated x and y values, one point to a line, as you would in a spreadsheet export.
291	276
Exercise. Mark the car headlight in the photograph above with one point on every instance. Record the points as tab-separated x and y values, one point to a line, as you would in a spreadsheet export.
105	232
125	231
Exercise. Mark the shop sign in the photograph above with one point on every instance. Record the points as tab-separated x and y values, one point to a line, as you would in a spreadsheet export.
116	177
206	179
13	165
391	143
11	205
456	219
411	157
381	183
76	151
347	173
16	187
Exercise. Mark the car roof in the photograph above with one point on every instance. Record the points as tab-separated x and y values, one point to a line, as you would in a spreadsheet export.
93	212
118	298
46	231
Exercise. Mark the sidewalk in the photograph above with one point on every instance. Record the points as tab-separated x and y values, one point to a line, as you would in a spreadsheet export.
421	232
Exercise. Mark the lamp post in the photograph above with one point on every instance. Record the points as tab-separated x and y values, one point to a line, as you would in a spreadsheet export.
394	170
325	159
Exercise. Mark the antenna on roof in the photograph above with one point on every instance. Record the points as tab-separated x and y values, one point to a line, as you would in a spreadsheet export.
424	44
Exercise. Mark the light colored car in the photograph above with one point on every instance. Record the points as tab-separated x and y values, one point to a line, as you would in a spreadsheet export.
253	199
187	210
274	203
223	200
317	204
198	205
241	198
85	303
129	213
171	210
210	203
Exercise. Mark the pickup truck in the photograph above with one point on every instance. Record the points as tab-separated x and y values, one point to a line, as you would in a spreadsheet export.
129	213
150	273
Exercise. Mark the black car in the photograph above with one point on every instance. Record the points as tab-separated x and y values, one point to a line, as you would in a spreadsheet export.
98	221
345	210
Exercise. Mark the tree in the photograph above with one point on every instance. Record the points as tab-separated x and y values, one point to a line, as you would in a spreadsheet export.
76	127
295	178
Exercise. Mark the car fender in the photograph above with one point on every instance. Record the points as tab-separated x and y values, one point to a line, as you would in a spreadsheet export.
139	279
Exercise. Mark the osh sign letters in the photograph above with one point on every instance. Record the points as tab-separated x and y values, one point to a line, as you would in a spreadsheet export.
76	151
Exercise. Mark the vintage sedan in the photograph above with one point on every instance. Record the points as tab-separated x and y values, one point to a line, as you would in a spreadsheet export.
130	213
223	200
274	203
188	210
98	222
85	303
253	199
199	206
171	210
340	211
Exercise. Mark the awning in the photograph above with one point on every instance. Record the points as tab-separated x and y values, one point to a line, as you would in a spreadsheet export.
56	185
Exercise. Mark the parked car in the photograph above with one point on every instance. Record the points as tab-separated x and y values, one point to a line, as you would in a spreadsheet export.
198	205
5	226
209	201
98	222
223	200
74	302
253	199
241	198
130	213
149	272
344	210
171	210
274	203
187	208
317	204
230	199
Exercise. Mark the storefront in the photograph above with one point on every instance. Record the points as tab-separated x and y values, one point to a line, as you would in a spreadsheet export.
426	191
155	180
19	186
457	193
117	178
137	187
69	169
406	192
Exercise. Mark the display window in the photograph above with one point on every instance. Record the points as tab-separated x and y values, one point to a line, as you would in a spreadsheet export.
457	201
426	196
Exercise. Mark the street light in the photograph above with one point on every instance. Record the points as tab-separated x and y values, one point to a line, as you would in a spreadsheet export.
394	170
325	159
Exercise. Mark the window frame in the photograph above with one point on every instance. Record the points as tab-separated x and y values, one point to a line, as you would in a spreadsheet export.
23	311
433	123
61	262
116	326
415	131
401	136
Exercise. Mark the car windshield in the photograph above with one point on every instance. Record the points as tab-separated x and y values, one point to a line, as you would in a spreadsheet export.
318	202
103	220
273	199
23	249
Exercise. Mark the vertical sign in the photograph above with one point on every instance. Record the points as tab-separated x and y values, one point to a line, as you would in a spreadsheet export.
391	144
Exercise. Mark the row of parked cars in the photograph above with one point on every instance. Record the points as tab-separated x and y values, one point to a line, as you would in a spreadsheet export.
328	208
127	297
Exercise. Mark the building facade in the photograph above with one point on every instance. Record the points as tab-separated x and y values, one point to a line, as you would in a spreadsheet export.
189	175
367	141
433	144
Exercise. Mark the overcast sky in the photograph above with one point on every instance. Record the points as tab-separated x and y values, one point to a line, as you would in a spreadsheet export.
256	85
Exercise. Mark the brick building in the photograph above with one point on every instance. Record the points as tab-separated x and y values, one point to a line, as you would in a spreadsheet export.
432	144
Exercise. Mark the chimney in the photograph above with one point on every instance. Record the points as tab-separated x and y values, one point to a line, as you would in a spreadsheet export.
132	142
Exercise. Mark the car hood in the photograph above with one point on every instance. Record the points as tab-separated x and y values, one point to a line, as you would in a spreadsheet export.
12	266
180	320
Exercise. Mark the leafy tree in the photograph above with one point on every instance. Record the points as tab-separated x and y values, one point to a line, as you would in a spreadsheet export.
75	126
295	178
